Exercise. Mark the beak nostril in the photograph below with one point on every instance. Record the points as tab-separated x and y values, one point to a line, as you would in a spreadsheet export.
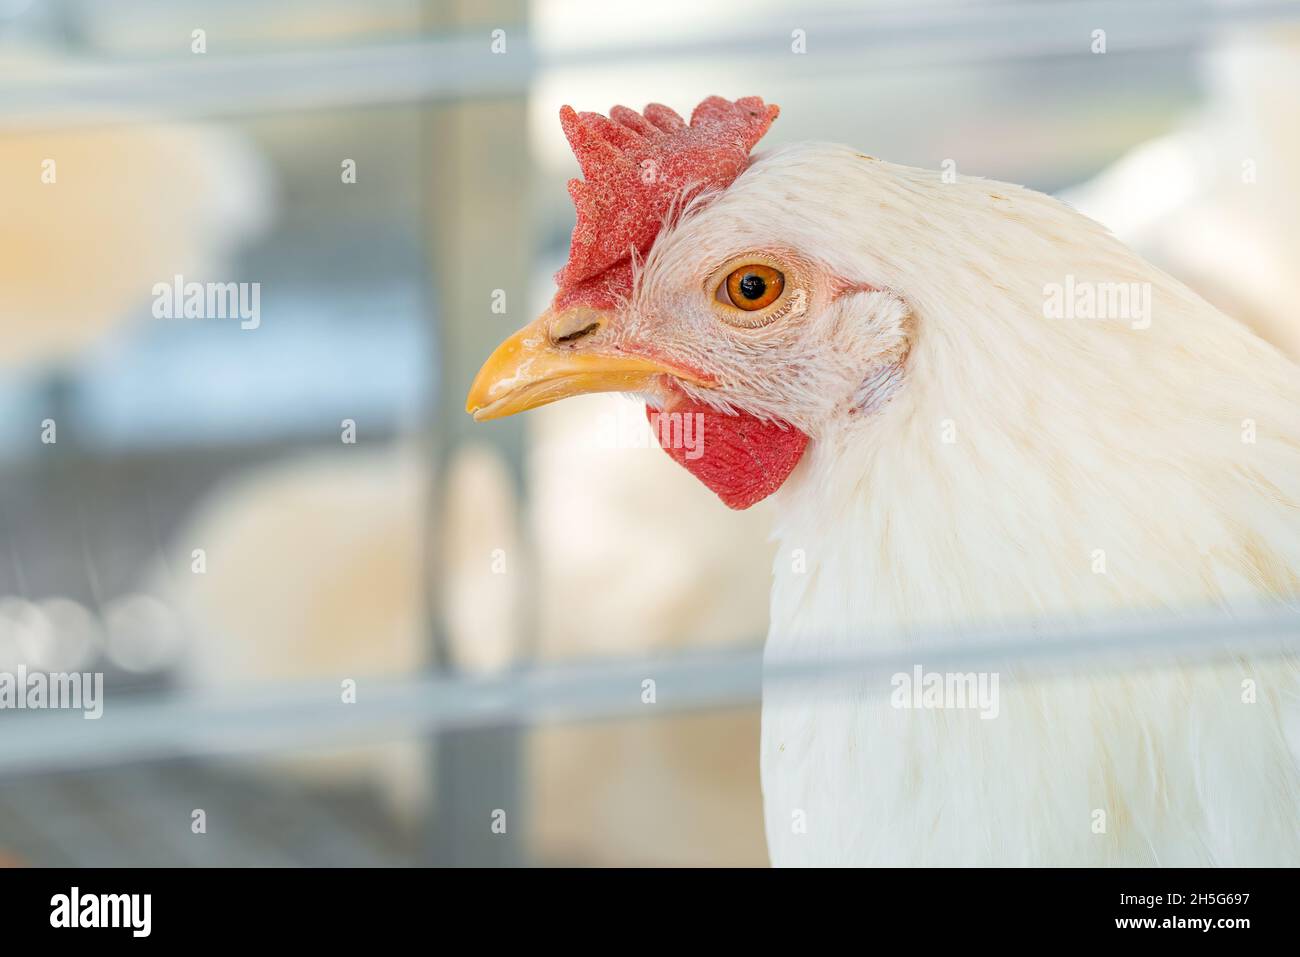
576	334
573	325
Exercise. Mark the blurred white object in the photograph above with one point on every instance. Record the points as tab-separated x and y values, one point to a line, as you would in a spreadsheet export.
1216	202
313	571
143	633
636	557
94	216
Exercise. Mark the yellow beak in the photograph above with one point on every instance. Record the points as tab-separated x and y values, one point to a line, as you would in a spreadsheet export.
551	359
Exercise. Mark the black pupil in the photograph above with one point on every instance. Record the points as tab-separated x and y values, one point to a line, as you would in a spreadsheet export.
752	286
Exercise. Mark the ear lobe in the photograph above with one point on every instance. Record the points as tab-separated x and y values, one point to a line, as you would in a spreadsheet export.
874	322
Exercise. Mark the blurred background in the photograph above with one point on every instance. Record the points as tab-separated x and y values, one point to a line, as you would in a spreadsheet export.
334	615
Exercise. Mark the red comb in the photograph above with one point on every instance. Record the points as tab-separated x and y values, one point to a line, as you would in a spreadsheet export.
636	167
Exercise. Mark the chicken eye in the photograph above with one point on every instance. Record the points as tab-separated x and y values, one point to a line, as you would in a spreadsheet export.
753	287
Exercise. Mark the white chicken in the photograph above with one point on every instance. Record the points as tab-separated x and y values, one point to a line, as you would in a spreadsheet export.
975	408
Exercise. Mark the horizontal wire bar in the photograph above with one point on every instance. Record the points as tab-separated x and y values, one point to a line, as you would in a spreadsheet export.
463	66
271	718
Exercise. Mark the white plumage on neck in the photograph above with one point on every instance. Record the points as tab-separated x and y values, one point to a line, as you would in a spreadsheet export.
1033	468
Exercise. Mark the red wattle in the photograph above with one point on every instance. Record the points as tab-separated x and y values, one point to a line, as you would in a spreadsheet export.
740	457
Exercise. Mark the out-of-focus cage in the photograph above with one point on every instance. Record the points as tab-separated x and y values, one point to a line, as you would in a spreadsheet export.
334	616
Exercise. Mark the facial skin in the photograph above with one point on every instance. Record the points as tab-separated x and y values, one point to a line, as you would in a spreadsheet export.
800	360
796	360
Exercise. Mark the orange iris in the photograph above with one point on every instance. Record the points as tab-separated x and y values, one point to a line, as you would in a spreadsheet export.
753	287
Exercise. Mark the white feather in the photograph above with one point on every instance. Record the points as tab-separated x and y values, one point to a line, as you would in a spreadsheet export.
1071	436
